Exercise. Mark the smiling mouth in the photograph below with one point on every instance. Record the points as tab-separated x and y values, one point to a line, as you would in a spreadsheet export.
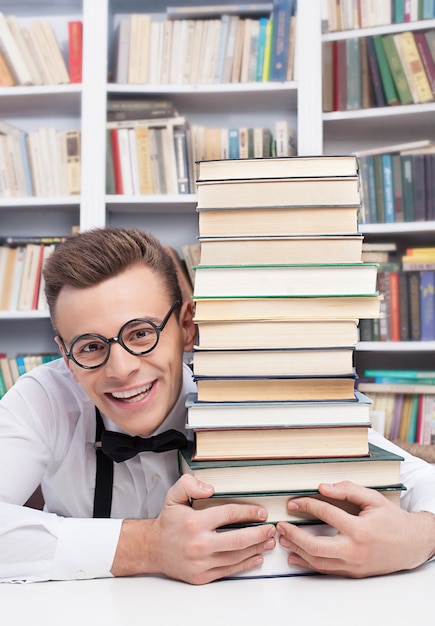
133	395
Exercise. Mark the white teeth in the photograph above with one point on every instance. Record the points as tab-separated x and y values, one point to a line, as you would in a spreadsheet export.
123	395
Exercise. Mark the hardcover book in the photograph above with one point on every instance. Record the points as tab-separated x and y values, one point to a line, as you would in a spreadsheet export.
262	389
269	192
276	333
278	220
377	469
291	249
276	503
278	167
268	442
273	362
284	280
274	307
289	413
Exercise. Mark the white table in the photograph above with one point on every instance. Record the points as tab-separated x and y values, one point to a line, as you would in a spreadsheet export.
394	600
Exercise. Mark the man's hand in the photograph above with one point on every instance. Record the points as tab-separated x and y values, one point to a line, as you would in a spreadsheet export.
182	543
382	539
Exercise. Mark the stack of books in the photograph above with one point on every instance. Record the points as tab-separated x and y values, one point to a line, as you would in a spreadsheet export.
279	290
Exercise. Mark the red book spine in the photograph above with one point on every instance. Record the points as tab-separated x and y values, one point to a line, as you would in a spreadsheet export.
117	172
38	278
426	57
75	50
340	72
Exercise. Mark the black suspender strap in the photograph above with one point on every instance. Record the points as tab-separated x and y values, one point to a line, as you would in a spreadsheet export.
104	475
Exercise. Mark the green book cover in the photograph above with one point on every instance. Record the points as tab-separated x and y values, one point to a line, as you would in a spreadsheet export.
407	188
397	72
379	467
384	69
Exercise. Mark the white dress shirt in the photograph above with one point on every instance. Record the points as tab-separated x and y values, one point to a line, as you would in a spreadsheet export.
47	435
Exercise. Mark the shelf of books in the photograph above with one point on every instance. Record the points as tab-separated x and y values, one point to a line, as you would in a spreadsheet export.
379	103
41	108
197	86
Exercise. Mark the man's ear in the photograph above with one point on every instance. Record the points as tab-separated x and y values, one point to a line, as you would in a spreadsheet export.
66	360
188	325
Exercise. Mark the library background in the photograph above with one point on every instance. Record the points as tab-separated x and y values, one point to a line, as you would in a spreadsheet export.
107	105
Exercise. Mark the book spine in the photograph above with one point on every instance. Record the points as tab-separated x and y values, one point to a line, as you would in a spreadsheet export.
427	305
143	159
419	187
375	75
417	73
12	54
340	75
401	81
180	146
387	178
116	161
390	92
407	186
404	307
353	74
75	47
281	15
394	306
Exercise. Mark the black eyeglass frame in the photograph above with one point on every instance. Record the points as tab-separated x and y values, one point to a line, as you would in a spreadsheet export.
118	339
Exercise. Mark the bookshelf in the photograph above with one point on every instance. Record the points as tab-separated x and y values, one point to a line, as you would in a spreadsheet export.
368	128
173	218
83	106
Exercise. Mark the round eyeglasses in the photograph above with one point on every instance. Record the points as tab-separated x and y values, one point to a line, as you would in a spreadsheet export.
138	336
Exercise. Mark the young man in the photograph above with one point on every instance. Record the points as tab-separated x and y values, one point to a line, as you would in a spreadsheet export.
122	329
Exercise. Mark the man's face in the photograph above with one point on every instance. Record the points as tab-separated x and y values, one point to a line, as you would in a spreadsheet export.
135	392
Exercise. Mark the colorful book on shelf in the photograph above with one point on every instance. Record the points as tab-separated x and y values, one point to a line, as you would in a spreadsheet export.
267	388
379	468
268	442
427	305
426	57
307	249
388	84
375	74
281	17
400	77
413	67
235	281
277	361
276	333
289	413
75	50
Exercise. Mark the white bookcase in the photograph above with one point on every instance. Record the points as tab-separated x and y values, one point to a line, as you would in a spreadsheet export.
173	218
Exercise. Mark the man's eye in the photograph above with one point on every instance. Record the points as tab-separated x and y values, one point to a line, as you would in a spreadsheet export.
92	347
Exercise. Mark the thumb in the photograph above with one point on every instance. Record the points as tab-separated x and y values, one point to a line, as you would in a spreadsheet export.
187	488
363	497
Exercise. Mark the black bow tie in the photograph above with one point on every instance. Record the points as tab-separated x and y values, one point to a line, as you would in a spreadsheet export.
120	447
